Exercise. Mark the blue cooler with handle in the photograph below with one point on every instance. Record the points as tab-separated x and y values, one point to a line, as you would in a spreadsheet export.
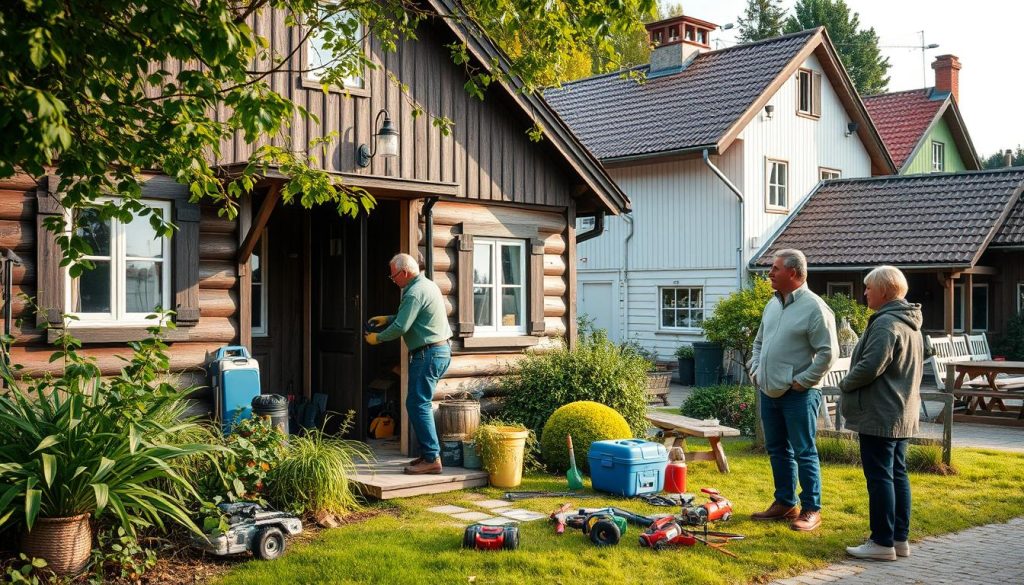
627	467
235	379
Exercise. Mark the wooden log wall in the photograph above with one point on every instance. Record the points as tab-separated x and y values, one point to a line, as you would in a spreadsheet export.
474	370
218	294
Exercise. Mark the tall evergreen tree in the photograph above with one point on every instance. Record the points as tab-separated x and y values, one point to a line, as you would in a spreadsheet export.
857	48
998	160
763	19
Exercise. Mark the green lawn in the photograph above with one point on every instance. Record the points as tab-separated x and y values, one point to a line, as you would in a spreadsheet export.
420	547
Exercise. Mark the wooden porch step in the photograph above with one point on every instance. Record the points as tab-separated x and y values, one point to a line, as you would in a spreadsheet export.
384	479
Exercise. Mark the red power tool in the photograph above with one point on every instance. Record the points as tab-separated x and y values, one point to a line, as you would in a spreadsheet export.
665	532
483	537
718	508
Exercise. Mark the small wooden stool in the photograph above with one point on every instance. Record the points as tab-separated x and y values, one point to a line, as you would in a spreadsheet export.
677	428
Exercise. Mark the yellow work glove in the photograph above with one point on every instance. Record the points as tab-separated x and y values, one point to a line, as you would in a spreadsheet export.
379	321
371	338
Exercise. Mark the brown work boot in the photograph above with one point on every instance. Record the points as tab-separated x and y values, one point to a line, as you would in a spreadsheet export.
777	511
415	461
807	521
424	467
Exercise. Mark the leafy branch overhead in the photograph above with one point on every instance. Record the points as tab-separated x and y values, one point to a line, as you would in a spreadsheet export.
89	90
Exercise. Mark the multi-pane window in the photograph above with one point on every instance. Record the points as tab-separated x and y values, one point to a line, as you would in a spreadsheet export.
805	91
825	174
840	288
499	286
132	270
938	157
979	307
682	307
258	267
319	56
778	185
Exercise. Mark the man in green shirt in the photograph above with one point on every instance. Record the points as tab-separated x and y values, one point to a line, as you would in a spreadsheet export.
423	323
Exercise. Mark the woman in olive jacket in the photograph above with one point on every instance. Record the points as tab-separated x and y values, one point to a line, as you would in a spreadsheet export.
881	399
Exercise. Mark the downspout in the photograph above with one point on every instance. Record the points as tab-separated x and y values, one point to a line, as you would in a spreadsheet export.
428	235
740	270
625	275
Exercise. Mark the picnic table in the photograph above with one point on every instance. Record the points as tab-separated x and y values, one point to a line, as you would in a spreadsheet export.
989	394
677	428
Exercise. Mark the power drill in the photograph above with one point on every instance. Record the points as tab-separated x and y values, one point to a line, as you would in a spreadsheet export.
665	532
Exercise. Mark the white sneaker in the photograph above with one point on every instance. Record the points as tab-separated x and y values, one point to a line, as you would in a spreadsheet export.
902	548
870	550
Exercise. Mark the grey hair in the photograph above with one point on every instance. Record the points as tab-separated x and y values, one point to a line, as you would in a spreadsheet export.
890	280
795	260
406	263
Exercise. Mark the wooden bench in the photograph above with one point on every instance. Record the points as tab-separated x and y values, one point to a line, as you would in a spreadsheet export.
976	399
676	428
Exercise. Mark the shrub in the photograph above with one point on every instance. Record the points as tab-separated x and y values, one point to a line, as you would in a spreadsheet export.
854	312
633	347
587	422
734	323
1012	343
732	405
684	352
313	477
254	448
596	369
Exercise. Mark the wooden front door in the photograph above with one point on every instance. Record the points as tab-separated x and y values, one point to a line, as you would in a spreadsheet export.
338	263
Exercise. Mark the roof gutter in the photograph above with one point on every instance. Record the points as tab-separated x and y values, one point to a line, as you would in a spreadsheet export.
596	231
861	267
618	160
740	268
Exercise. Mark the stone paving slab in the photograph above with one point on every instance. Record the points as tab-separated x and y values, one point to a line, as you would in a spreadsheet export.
447	509
472	516
984	555
493	503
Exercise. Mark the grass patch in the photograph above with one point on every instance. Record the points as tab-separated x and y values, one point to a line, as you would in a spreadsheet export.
922	458
416	546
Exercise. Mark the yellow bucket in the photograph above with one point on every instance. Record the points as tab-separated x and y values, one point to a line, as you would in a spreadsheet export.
509	473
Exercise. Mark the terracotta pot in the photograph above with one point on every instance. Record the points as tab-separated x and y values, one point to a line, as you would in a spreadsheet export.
65	543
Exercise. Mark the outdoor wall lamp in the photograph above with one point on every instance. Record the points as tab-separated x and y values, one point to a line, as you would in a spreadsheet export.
769	110
385	141
851	128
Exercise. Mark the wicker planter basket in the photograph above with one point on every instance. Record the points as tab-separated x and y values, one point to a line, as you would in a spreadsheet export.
657	386
65	543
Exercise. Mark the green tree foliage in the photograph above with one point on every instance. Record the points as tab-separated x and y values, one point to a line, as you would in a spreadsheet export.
763	19
998	160
858	48
854	312
83	92
736	319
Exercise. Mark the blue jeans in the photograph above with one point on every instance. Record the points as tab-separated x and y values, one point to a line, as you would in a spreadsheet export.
885	469
789	425
425	368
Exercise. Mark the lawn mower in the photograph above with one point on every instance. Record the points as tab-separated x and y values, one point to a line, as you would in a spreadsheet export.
251	528
481	537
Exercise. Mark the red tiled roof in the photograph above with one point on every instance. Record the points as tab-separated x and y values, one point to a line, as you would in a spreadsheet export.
902	118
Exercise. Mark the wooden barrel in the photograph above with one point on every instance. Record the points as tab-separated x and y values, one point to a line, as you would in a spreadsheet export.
459	418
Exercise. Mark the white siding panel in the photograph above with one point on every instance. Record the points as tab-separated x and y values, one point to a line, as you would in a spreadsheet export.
806	144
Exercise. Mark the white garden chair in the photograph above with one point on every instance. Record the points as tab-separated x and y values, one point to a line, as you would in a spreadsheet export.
979	347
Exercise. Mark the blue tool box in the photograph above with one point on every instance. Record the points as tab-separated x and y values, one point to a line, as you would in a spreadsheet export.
235	378
627	467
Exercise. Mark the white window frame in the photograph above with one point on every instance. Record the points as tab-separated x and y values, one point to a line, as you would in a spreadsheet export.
313	67
118	314
961	302
772	190
1020	297
497	329
263	284
938	156
661	308
585	224
830	287
825	174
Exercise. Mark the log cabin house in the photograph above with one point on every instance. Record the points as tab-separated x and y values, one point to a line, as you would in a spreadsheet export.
296	285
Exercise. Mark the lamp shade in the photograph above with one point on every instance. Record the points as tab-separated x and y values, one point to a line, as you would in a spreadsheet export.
387	139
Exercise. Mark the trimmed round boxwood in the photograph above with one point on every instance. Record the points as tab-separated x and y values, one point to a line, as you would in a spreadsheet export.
587	422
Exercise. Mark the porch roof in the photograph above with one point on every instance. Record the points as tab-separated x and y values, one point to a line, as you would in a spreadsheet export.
1012	231
933	220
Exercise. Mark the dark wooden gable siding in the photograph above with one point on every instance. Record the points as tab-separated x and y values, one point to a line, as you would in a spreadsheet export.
488	154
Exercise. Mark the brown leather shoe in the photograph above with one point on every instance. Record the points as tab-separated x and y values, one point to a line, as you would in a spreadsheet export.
807	521
424	467
777	511
415	461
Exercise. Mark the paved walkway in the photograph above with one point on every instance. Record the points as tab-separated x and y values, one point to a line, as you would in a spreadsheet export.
985	555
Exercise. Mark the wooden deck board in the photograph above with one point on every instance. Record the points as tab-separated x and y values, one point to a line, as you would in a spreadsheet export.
384	479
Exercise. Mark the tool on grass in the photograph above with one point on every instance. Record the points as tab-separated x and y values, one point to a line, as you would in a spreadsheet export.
718	508
482	537
675	471
573	475
605	526
513	496
719	546
665	532
559	516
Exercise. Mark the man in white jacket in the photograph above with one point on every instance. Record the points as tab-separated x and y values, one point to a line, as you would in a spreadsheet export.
795	347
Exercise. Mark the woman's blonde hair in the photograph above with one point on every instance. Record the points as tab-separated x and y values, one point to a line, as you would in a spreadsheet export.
889	280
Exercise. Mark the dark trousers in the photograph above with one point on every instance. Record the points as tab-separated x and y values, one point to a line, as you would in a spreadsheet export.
790	422
885	469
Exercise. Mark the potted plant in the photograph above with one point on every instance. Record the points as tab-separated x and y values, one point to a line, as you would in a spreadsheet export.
502	448
685	356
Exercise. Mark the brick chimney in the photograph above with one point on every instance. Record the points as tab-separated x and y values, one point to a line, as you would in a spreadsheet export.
947	75
676	42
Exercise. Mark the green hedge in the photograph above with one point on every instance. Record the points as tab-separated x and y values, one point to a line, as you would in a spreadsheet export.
732	405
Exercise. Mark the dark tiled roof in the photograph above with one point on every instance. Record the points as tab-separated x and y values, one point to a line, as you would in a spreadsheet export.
616	117
1012	232
934	219
902	118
